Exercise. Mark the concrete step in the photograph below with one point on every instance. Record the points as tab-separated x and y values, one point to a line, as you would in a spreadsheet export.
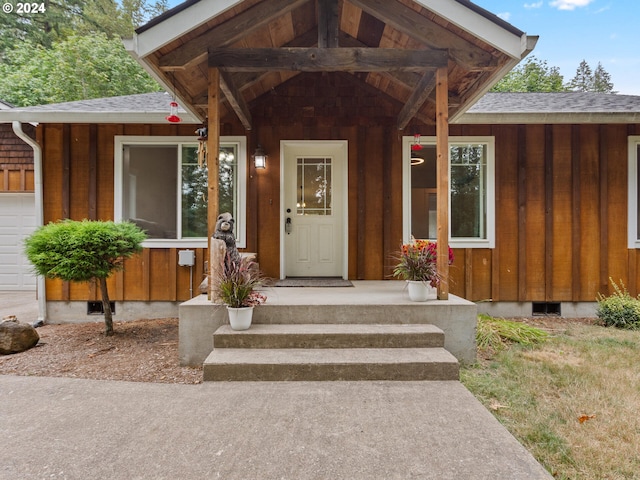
319	364
329	336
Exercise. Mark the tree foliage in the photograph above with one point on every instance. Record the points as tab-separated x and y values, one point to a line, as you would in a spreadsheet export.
532	76
72	51
79	251
62	18
536	75
77	68
588	80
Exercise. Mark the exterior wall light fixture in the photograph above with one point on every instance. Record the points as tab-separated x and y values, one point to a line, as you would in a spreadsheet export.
260	158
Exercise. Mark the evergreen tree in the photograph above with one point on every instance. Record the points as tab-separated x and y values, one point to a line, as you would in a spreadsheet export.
55	20
587	80
82	251
602	80
583	81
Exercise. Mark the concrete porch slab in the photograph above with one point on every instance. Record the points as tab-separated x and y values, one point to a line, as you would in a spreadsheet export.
367	302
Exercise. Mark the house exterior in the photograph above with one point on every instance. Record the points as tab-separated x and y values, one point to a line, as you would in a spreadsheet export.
379	129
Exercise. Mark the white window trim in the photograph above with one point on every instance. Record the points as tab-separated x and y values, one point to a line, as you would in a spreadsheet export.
490	241
632	200
122	140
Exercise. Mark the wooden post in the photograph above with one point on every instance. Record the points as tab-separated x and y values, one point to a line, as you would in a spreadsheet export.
213	161
442	174
218	252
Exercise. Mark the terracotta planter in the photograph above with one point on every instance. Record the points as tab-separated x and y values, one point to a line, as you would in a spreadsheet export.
240	318
421	291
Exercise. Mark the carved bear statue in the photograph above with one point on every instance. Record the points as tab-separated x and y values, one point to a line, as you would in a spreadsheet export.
224	232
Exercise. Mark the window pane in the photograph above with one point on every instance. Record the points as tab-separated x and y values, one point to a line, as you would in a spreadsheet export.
150	189
423	193
468	191
149	186
314	186
228	178
194	194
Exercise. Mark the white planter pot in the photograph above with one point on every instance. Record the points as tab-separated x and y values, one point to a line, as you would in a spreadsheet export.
240	318
421	291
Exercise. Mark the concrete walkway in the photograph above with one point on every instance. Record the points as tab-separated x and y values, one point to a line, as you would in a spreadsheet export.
86	429
23	305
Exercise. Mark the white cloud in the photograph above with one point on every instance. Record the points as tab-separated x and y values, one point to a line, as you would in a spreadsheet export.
505	16
534	5
569	4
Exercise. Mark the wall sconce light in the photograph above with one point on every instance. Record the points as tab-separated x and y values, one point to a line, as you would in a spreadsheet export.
260	158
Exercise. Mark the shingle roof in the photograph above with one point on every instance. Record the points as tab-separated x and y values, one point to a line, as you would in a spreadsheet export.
513	108
564	107
139	108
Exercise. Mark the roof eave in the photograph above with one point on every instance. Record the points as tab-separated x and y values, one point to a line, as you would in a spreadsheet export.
7	116
130	45
480	23
150	39
537	118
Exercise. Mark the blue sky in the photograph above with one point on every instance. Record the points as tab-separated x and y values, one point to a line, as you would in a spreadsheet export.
605	31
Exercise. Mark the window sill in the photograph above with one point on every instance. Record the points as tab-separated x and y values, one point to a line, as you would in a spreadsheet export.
174	243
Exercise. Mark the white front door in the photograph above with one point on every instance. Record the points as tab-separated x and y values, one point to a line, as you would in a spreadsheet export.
314	203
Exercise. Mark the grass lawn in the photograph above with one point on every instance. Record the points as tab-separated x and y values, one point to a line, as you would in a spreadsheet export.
573	399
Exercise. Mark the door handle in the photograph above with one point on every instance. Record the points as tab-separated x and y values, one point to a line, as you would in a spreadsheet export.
288	226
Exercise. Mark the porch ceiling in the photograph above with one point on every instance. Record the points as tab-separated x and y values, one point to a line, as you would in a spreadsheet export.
393	45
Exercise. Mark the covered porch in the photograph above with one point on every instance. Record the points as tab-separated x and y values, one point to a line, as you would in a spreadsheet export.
298	76
366	302
361	72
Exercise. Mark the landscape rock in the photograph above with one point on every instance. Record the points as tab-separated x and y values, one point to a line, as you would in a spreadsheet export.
16	337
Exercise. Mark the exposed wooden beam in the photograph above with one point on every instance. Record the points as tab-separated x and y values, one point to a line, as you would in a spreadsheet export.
195	51
420	94
325	60
235	99
328	24
408	21
442	175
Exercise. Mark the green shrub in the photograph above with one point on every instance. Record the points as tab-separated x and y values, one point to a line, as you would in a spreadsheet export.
80	251
619	309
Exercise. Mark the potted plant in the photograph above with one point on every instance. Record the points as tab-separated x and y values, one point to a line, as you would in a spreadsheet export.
235	287
418	266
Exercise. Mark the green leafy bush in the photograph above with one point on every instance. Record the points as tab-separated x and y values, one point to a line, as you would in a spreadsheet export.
619	309
81	251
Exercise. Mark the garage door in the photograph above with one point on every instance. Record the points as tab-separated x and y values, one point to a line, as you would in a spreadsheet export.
17	221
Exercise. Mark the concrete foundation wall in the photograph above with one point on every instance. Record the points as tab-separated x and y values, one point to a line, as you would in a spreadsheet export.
525	309
76	312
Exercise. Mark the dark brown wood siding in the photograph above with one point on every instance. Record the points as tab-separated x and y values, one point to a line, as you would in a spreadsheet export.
78	169
561	197
561	215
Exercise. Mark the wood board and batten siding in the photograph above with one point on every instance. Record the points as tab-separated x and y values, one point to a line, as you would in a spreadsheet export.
78	167
561	209
561	202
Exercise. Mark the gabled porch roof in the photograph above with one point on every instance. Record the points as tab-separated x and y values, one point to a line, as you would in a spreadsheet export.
393	45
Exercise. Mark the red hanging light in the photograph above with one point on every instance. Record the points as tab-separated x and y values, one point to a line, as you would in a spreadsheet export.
173	115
